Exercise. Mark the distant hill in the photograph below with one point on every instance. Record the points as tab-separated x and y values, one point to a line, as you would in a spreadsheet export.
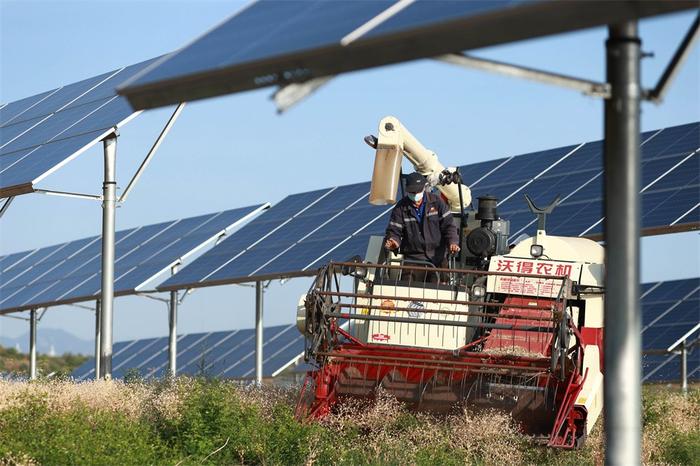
13	362
51	341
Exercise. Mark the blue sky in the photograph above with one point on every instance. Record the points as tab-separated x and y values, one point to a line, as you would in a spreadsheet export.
220	149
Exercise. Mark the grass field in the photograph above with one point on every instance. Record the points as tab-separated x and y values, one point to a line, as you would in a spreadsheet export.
192	421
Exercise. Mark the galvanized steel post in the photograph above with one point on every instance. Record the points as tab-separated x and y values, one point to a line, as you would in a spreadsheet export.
172	342
622	229
32	344
684	367
98	324
109	195
259	293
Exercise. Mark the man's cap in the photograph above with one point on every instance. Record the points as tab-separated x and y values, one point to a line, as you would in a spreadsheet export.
415	182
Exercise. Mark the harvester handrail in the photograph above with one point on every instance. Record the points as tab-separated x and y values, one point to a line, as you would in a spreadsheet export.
451	323
442	363
442	311
341	294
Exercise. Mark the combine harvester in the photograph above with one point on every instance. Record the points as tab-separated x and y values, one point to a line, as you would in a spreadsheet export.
515	327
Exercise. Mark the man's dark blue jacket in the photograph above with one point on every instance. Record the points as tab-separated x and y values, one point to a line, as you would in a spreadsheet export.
429	239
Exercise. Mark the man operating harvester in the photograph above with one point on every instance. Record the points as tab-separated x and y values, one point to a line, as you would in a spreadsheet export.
421	224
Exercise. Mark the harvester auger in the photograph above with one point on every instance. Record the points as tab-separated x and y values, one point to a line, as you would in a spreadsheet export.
513	326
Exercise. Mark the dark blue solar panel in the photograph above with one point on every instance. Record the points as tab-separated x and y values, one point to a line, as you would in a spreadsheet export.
426	13
14	110
21	269
356	245
232	352
306	252
10	260
41	132
523	168
87	369
480	171
672	291
32	164
243	359
281	240
71	271
195	359
184	342
244	238
250	37
41	268
207	354
133	358
62	98
666	368
15	130
285	347
65	123
673	140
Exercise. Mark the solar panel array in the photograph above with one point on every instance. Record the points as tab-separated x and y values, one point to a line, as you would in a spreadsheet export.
226	354
71	272
670	183
292	236
38	134
306	230
271	43
670	312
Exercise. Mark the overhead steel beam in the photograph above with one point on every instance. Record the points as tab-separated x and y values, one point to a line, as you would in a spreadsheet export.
152	151
592	88
657	94
5	206
287	96
622	340
50	192
109	194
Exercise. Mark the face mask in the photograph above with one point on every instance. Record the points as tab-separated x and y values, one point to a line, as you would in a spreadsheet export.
415	197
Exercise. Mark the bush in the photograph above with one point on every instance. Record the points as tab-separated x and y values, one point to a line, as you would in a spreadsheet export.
75	436
202	421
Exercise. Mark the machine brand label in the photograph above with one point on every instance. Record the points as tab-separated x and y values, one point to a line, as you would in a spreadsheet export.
530	286
380	337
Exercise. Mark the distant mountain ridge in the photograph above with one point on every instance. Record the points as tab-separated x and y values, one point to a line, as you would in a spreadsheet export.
50	341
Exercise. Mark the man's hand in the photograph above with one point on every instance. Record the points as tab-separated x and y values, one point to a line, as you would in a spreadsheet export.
454	249
391	244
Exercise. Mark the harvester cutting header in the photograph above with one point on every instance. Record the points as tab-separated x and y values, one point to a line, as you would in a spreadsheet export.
482	322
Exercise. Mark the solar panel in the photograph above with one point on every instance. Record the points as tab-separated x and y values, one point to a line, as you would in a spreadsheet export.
41	133
271	43
70	272
670	313
306	230
226	354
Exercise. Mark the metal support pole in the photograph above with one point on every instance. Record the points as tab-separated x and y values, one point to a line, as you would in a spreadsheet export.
684	367
622	229
98	325
172	344
259	291
109	196
32	344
